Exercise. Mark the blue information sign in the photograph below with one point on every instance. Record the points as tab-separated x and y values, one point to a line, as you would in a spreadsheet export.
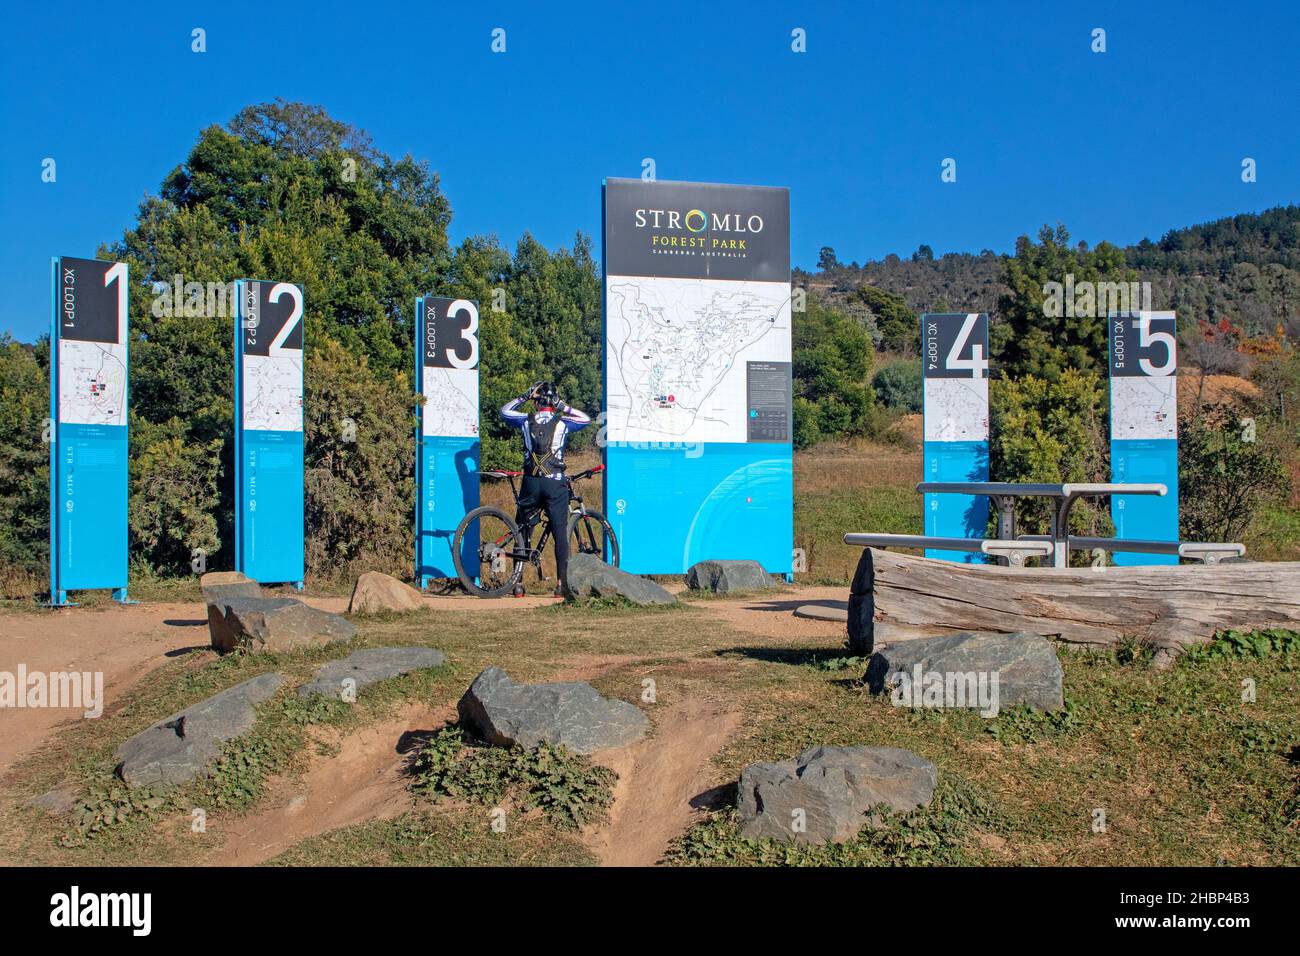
1144	428
698	430
446	465
269	431
955	373
88	432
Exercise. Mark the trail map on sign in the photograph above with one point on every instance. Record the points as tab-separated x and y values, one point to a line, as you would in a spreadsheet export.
92	383
1144	407
451	402
272	391
677	351
956	409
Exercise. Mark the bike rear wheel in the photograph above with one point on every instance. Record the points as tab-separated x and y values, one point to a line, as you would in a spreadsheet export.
591	533
483	552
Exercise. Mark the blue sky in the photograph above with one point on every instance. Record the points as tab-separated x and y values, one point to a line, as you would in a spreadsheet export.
1147	136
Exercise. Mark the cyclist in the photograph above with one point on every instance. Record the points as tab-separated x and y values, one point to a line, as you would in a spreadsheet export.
546	431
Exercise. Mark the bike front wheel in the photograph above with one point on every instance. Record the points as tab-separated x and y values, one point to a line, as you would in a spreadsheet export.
591	533
483	551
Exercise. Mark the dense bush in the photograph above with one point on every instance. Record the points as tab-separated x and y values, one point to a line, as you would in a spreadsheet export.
24	461
832	358
1225	473
899	386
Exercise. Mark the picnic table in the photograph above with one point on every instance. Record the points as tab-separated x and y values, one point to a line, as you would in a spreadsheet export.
1005	494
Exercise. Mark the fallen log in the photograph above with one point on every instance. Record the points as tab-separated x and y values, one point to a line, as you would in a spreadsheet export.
1167	607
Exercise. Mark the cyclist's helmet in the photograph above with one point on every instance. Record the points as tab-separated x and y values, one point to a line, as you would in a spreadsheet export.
547	395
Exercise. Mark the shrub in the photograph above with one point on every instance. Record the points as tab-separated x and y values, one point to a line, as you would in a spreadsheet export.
899	386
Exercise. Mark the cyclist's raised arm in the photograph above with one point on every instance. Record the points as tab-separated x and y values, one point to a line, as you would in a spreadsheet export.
512	415
574	418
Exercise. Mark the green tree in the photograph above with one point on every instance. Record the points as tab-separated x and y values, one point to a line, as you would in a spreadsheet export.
899	326
832	360
1031	339
24	463
1051	430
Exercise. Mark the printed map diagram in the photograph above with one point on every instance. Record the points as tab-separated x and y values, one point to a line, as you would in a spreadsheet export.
956	409
92	383
676	353
1144	406
272	392
451	402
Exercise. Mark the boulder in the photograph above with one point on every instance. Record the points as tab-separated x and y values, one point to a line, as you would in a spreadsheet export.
367	666
179	748
273	624
1025	665
834	787
725	577
588	576
501	712
220	586
376	592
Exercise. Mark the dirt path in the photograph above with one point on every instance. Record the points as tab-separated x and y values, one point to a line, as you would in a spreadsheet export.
122	643
774	616
362	781
659	780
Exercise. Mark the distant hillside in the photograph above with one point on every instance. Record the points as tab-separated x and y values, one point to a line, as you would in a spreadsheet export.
1243	268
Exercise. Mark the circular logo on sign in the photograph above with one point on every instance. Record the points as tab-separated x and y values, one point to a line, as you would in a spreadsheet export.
696	215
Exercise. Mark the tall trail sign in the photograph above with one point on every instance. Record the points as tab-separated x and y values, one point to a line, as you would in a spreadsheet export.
446	466
269	431
955	372
698	430
1144	428
88	427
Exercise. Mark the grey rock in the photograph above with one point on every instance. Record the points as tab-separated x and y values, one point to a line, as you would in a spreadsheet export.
1027	669
179	748
60	801
367	666
834	787
498	710
727	576
588	576
273	624
227	585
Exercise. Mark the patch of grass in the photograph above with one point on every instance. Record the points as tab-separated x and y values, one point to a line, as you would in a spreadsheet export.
942	834
451	836
569	790
614	605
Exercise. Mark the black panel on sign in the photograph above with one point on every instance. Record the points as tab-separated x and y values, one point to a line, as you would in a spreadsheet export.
1129	347
444	330
263	320
696	230
941	331
87	307
767	391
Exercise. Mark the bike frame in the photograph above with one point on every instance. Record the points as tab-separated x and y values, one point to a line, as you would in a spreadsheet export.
536	516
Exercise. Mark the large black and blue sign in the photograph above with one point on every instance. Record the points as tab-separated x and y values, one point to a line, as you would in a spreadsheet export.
88	427
955	373
698	426
269	431
446	465
1144	428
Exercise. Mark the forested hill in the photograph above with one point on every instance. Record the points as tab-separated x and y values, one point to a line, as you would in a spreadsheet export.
1244	268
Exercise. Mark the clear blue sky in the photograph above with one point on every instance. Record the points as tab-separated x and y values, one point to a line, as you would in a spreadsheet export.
1121	145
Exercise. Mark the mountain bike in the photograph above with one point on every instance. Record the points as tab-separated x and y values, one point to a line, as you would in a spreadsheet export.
494	566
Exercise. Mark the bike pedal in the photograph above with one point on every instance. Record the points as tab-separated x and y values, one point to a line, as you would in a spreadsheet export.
518	591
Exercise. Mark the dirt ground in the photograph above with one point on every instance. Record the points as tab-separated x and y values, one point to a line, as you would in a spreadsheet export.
357	777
